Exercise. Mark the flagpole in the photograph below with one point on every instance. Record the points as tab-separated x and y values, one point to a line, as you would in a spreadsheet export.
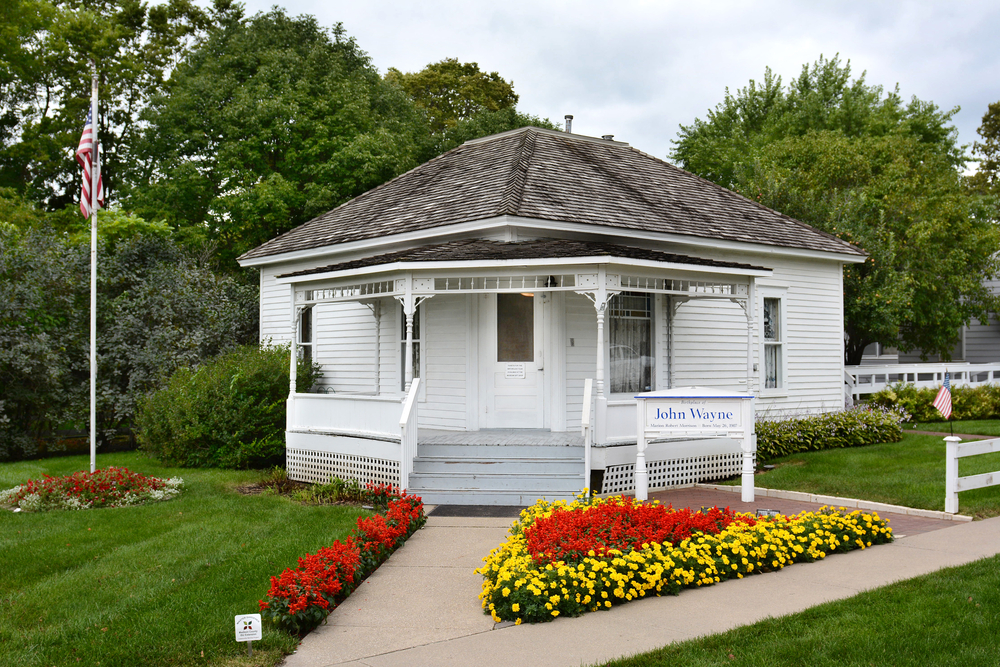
94	187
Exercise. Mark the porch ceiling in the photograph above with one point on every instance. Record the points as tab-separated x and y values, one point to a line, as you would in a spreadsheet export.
481	253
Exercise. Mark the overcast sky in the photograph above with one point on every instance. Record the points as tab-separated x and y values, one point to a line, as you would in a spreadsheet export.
639	69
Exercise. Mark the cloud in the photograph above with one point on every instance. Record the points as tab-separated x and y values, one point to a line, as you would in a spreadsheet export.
639	69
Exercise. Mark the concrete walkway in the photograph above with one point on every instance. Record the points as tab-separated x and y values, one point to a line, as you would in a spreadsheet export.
421	606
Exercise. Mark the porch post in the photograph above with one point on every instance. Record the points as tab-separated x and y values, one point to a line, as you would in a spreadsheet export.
408	312
751	298
292	365
601	403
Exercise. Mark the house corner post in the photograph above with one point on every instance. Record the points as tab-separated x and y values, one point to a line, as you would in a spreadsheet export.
751	298
292	363
601	401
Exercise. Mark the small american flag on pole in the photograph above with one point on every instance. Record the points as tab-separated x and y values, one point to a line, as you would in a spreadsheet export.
943	399
86	154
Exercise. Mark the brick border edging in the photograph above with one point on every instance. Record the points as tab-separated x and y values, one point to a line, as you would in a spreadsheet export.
840	502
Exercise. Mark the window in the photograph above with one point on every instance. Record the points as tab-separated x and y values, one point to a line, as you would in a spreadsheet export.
773	336
305	341
630	340
416	346
515	327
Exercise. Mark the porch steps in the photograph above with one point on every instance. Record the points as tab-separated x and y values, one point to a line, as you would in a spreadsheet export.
496	474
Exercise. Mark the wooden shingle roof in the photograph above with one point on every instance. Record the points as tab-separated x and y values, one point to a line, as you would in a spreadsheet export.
548	175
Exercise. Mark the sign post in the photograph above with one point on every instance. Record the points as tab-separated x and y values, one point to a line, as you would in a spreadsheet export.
697	412
248	629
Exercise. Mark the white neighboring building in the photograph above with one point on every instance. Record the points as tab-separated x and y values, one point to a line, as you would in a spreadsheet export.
506	272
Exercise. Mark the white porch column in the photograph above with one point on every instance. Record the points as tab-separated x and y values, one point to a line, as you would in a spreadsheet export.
750	310
292	362
408	312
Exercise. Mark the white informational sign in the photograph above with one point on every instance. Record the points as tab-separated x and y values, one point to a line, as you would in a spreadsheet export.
694	414
700	412
514	371
248	628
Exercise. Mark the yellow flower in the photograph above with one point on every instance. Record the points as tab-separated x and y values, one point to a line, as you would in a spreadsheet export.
515	607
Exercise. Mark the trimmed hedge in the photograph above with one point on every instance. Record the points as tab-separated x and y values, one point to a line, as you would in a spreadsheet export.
850	428
982	402
226	413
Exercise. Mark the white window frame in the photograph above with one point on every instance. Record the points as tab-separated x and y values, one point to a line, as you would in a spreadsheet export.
653	342
780	295
306	324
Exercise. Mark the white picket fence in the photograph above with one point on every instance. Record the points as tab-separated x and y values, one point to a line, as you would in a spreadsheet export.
860	380
953	484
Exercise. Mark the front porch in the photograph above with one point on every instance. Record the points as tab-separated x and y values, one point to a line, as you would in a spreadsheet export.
456	377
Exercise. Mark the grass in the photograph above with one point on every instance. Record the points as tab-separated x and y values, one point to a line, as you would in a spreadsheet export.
941	619
152	585
909	473
972	426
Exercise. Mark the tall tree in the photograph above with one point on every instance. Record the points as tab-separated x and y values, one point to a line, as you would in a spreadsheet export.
269	122
859	163
45	71
987	151
450	91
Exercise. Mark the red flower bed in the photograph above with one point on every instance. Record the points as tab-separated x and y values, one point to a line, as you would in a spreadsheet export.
107	487
300	599
625	526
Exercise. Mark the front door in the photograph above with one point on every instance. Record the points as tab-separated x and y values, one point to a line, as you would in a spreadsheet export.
511	365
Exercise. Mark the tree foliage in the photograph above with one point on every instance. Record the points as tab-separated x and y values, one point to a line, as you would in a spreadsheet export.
45	78
987	151
859	163
269	122
450	91
159	308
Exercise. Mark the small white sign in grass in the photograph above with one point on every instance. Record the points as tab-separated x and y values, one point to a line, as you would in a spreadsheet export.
248	629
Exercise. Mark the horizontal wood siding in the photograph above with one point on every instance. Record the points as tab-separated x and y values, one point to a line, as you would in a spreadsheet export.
445	343
345	346
814	336
581	356
710	344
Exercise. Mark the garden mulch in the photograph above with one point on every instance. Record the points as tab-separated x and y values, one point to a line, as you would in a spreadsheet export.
421	606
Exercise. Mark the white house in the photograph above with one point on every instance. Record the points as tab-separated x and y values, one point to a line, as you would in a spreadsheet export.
495	279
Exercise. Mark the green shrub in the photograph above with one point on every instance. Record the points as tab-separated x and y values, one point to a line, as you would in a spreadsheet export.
850	428
982	402
226	413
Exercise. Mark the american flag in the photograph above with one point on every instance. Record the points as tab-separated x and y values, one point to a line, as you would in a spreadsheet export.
943	399
85	154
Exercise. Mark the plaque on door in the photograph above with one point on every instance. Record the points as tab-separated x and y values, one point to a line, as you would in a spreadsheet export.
514	371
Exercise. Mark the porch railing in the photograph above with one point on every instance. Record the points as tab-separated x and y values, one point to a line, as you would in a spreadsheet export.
367	438
871	379
408	434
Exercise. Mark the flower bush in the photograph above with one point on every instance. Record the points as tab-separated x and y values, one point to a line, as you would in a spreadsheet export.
866	425
300	599
107	487
522	585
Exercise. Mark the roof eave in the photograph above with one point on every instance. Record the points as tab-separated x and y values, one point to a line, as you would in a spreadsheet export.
394	267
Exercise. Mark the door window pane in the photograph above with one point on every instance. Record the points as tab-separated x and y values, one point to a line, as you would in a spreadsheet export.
630	336
515	327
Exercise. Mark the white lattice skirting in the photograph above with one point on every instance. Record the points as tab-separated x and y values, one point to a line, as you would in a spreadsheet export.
305	465
674	472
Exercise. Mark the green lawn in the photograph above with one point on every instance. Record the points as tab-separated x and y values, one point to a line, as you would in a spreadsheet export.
152	585
973	426
909	472
941	619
